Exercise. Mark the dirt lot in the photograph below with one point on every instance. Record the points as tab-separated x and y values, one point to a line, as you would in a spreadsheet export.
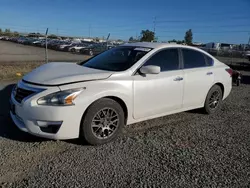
13	52
188	149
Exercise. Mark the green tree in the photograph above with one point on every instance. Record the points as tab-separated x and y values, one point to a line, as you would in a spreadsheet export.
147	36
172	41
1	32
7	32
97	39
16	34
188	37
52	36
131	39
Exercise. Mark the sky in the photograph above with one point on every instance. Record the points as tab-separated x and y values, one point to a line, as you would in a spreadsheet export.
210	20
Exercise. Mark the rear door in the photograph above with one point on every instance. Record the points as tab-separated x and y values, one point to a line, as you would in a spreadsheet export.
198	77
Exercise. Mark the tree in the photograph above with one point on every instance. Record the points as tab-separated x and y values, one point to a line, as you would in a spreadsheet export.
175	41
97	39
52	36
1	31
147	36
15	34
189	37
131	39
7	32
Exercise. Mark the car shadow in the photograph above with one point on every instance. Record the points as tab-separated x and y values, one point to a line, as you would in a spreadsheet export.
7	127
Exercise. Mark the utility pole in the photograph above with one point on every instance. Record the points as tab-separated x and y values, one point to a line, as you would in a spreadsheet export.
154	23
154	28
249	39
89	29
46	46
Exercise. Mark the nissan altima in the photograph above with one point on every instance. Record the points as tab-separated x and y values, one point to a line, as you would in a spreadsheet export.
134	82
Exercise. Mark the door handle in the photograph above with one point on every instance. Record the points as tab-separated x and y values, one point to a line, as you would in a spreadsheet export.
178	79
209	73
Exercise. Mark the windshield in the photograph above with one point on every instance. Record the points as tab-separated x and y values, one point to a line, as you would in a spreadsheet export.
117	59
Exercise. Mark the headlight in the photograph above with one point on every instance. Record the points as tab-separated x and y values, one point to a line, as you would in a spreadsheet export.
60	98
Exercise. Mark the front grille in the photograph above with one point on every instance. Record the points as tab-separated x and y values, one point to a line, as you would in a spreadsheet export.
22	93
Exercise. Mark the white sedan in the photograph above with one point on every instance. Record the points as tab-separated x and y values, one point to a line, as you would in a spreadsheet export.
76	48
124	85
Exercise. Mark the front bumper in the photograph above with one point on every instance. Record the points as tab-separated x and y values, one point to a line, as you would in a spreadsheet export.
30	117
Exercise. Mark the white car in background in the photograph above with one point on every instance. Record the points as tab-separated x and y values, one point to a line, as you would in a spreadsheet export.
77	47
247	54
124	85
61	47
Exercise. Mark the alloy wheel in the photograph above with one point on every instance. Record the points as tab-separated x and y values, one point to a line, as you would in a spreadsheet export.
214	99
105	123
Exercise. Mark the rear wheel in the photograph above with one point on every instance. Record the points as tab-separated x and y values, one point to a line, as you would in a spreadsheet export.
102	122
213	100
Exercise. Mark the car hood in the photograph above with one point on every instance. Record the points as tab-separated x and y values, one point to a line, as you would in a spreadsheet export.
60	73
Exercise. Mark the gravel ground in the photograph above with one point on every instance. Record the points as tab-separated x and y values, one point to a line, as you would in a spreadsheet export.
13	52
188	149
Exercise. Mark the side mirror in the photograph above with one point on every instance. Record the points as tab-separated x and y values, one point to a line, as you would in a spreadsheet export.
150	69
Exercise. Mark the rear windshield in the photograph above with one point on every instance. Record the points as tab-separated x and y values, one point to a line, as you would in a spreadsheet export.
117	59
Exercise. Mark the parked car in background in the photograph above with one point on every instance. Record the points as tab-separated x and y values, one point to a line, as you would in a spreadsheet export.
247	54
93	49
77	47
29	41
62	46
21	40
38	42
124	85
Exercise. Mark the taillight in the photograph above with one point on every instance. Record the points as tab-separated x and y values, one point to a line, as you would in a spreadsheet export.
230	71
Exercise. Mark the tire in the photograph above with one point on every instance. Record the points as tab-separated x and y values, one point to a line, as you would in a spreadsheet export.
98	134
209	107
73	50
91	53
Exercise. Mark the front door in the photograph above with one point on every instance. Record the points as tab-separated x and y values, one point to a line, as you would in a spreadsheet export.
159	93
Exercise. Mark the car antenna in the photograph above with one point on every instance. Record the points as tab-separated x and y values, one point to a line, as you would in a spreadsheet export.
46	47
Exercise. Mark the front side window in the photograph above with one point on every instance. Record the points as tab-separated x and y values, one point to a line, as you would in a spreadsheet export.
193	59
166	59
117	59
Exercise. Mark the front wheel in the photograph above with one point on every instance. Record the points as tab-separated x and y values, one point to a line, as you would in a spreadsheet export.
213	100
103	122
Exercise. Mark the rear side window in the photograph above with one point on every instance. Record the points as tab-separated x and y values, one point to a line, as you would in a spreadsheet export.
166	59
193	59
209	60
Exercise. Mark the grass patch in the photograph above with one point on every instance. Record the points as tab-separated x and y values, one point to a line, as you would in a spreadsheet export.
15	71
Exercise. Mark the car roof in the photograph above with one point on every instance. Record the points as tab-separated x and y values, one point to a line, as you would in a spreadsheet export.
152	44
156	45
